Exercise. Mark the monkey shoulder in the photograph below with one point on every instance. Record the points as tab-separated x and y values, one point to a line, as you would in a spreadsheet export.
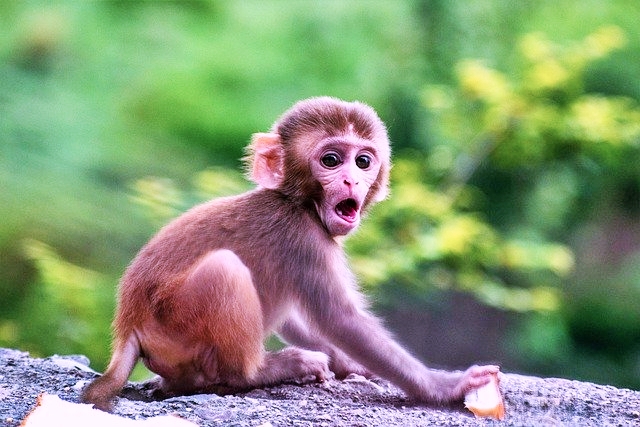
263	227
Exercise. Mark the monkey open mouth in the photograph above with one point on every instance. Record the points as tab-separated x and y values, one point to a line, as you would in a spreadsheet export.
348	210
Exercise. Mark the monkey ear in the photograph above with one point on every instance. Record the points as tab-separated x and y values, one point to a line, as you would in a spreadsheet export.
381	191
380	188
265	160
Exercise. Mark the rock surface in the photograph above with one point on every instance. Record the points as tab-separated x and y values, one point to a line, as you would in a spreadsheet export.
356	401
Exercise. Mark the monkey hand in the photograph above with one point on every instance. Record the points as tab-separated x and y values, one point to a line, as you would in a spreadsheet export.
474	378
342	366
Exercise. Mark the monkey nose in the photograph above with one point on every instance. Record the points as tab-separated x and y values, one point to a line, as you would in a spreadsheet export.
350	181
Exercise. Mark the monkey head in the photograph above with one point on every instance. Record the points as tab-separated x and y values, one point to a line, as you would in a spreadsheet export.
328	154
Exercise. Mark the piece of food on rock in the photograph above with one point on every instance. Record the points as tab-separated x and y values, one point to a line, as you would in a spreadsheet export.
486	401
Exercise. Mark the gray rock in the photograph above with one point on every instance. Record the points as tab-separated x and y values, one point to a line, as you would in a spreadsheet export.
529	401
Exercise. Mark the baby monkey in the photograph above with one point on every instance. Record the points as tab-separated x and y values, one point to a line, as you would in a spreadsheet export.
198	301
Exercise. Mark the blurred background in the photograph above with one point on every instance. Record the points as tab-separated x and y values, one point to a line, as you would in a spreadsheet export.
512	234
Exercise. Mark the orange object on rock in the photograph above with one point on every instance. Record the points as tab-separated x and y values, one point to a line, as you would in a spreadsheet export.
486	401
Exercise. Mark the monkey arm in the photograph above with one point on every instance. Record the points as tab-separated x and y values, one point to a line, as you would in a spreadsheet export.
296	332
342	317
365	340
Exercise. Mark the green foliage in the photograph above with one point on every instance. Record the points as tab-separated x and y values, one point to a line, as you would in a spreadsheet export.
532	121
64	303
163	201
511	169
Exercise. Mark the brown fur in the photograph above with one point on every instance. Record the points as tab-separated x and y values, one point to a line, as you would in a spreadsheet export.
199	299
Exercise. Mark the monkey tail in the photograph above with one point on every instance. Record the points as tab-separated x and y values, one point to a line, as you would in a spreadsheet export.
103	390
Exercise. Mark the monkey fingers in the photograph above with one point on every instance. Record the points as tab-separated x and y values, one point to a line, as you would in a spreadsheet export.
343	366
475	377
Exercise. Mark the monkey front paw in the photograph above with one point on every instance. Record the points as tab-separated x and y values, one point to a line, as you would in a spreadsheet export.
475	377
343	367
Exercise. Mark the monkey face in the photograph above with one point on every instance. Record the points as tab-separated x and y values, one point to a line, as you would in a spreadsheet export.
327	153
346	167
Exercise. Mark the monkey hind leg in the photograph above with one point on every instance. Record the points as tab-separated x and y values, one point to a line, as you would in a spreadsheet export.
220	317
103	390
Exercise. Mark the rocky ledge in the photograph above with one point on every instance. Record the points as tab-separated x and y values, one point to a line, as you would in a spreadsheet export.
529	401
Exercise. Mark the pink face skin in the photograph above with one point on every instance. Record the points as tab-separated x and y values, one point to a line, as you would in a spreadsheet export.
346	166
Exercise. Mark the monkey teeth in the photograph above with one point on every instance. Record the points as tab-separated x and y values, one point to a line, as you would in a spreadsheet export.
347	210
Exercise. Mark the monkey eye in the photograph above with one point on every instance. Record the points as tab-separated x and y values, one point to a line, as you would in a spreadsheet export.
330	160
363	161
